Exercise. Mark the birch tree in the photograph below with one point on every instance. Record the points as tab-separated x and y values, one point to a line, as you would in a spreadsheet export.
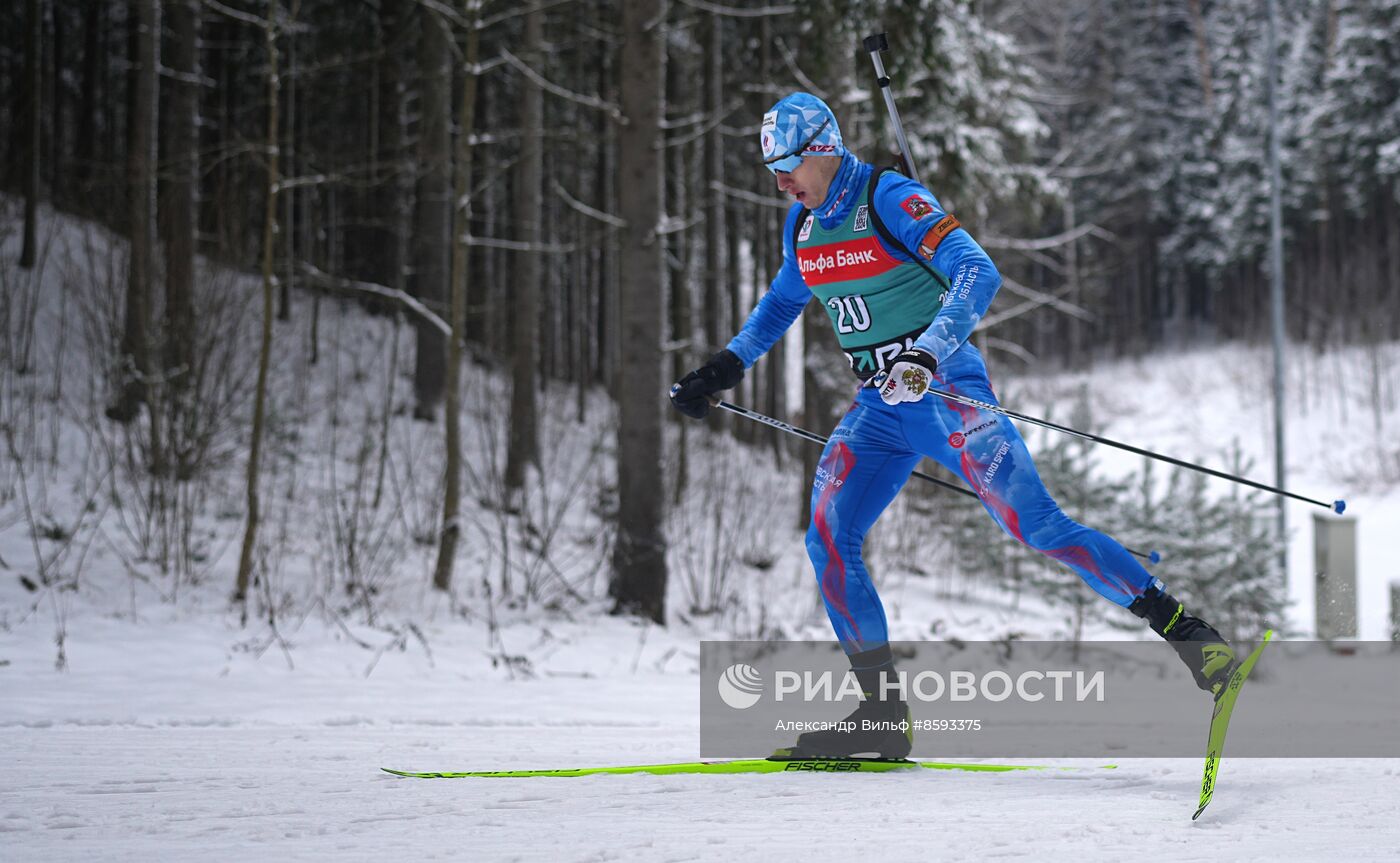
461	217
269	281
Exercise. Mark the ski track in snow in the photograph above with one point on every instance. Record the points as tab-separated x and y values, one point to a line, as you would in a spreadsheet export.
260	762
304	792
142	753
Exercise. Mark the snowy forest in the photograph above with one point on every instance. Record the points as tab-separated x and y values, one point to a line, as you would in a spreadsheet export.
544	214
335	344
555	210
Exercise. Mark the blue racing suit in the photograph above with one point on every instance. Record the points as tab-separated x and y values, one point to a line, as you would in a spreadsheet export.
876	446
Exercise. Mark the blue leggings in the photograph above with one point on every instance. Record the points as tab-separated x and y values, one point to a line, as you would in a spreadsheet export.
869	458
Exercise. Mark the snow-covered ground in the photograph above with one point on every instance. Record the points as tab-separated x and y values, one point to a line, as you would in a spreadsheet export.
174	731
162	744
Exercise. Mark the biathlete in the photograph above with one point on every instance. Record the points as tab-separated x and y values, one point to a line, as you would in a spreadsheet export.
905	285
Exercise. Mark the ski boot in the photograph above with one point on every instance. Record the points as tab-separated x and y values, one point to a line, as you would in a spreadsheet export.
881	727
1204	650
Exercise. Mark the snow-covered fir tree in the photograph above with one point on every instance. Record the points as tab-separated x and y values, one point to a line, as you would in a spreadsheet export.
1218	551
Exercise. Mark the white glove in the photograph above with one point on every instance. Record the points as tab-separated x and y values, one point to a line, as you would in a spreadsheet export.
908	377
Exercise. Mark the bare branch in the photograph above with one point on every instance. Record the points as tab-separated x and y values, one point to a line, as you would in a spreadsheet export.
185	77
688	120
606	218
732	12
589	101
484	66
515	13
790	60
991	321
1043	298
673	225
750	196
705	129
238	14
1087	229
447	12
1012	348
517	246
344	285
1016	311
300	182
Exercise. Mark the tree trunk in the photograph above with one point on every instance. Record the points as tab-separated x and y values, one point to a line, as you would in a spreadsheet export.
288	157
85	141
606	183
433	232
523	438
676	254
384	256
134	357
451	503
1198	28
181	206
714	199
56	104
1076	329
33	90
639	558
269	237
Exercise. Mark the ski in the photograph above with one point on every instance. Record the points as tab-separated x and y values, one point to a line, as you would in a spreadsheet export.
746	765
1220	723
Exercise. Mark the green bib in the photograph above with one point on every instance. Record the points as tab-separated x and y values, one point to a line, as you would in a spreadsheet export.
878	305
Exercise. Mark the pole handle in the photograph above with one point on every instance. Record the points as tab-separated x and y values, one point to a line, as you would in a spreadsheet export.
876	42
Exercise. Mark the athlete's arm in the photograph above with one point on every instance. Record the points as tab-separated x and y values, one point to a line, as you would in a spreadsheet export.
914	215
778	308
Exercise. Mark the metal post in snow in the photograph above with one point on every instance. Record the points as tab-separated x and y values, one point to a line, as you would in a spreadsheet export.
1276	279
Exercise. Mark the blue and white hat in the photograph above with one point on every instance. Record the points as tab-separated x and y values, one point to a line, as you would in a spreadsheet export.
799	125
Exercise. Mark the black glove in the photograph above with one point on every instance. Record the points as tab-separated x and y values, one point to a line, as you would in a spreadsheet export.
690	394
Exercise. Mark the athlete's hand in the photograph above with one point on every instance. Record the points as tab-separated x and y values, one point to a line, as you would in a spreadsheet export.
908	377
690	394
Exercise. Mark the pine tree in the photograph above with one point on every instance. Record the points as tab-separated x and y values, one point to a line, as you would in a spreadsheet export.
1220	554
1226	222
1359	118
1068	466
972	126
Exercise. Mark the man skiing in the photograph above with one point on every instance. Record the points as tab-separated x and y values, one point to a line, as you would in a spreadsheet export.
904	286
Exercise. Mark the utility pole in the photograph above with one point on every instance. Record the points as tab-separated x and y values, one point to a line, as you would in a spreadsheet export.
1276	273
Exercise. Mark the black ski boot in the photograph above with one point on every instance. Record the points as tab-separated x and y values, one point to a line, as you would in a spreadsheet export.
881	727
1204	650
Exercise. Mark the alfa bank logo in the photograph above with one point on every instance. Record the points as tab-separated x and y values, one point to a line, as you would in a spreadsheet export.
843	262
820	263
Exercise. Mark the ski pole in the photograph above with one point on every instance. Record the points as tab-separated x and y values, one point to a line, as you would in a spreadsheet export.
875	44
1154	556
1337	506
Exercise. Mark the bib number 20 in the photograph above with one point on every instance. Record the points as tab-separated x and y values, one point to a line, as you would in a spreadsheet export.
852	316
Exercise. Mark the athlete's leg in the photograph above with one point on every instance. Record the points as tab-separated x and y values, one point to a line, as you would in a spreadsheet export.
866	462
864	465
987	450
